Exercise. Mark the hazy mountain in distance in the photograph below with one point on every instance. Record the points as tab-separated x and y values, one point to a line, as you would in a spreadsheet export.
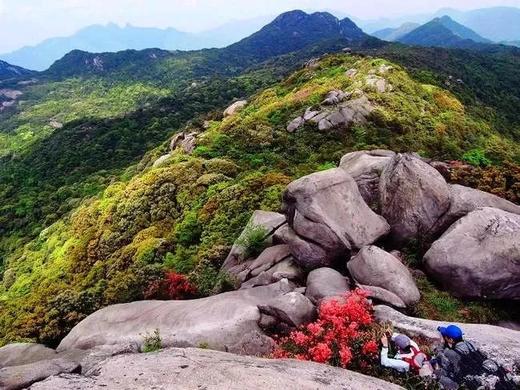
496	23
113	38
393	34
443	32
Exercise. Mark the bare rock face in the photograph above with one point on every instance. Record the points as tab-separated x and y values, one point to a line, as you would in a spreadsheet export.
479	256
220	321
186	141
366	168
293	308
325	283
295	124
375	267
235	108
285	269
196	369
465	200
24	353
327	210
21	377
414	196
270	222
500	344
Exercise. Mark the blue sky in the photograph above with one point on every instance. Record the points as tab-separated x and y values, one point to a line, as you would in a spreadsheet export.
25	22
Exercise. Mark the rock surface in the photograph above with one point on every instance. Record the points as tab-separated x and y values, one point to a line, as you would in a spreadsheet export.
324	283
293	308
24	353
465	200
21	377
414	196
373	266
366	167
502	345
221	320
327	209
479	256
192	369
384	296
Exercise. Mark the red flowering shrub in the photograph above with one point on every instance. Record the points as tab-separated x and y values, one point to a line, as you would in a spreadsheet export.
344	335
174	286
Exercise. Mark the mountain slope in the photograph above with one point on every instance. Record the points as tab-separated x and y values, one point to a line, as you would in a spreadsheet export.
8	71
394	34
443	32
295	30
184	213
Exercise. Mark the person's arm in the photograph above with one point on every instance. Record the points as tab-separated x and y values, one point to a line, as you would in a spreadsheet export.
399	365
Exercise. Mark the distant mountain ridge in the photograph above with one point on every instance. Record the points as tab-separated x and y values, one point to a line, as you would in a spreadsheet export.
289	32
498	24
113	38
443	32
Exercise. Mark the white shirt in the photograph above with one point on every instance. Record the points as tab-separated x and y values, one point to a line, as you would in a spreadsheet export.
397	363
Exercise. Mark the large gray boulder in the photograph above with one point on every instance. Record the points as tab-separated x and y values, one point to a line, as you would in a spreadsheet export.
21	377
286	269
366	167
219	321
196	369
501	344
479	256
373	266
235	263
293	308
327	210
414	196
24	353
464	200
325	283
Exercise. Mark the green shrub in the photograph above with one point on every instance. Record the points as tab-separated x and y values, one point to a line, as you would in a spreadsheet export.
252	240
152	342
477	158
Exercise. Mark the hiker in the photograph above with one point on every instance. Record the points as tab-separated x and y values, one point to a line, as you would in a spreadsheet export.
408	358
460	363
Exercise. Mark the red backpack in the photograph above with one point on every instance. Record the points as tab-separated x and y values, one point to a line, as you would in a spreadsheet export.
417	360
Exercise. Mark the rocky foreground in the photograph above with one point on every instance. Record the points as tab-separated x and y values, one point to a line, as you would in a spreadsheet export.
196	369
340	229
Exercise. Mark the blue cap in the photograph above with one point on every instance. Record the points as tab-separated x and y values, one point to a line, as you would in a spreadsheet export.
451	331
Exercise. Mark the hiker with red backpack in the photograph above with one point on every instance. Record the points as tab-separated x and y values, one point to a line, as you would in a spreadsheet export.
459	363
409	357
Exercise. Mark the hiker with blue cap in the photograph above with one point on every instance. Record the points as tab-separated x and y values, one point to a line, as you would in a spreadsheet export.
460	363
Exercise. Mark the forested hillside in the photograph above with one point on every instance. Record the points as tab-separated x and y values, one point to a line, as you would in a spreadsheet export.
87	216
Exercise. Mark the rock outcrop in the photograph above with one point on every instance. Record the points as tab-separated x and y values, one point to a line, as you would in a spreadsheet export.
479	256
500	344
235	108
220	320
326	210
293	308
195	369
414	196
373	266
21	377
